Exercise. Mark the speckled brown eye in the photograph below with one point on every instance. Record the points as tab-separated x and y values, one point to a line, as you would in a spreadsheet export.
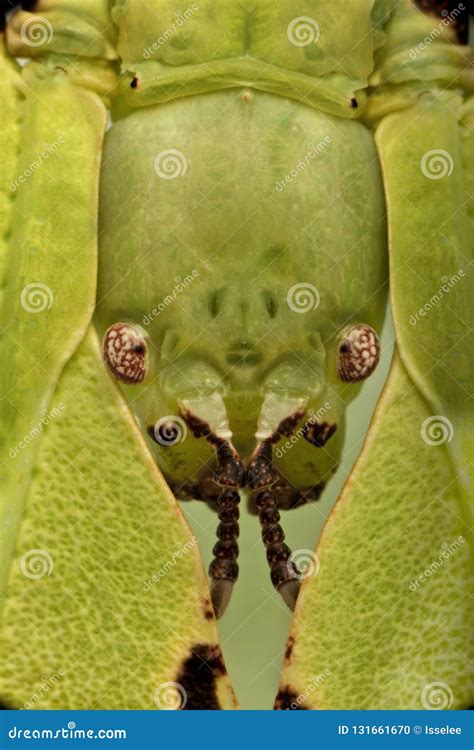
358	353
125	352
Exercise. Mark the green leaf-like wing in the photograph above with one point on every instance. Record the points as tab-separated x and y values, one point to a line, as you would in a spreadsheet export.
385	622
107	602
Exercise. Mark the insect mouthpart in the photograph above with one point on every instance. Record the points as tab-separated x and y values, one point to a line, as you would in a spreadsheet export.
244	358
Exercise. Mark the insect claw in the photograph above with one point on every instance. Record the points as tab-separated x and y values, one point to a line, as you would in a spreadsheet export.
289	591
221	591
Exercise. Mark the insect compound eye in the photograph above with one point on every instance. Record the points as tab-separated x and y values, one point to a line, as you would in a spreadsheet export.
358	353
125	352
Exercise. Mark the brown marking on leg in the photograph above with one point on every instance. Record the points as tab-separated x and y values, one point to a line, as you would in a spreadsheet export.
229	478
198	677
260	477
288	700
318	433
260	472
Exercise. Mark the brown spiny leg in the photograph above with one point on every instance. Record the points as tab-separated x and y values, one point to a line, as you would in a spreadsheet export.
261	477
229	477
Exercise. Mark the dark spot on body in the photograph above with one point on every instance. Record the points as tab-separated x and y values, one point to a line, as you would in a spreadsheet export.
198	677
289	648
306	495
208	610
197	426
288	425
134	83
288	700
448	11
318	433
4	706
354	103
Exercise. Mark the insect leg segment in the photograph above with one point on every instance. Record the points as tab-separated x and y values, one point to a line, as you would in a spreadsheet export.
261	476
279	417
229	477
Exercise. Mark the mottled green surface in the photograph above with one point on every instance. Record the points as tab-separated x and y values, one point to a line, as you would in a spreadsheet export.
406	641
117	596
50	271
363	637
